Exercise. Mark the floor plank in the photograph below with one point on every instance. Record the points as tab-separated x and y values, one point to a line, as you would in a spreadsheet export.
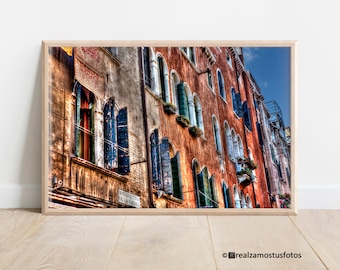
321	228
14	225
164	242
271	235
67	242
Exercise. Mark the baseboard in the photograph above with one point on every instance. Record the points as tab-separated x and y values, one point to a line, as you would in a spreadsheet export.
29	196
20	196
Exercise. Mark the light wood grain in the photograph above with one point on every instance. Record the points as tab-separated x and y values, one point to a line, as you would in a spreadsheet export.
164	242
256	234
14	226
321	229
67	242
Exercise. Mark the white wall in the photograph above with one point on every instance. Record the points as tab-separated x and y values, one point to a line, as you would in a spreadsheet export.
24	24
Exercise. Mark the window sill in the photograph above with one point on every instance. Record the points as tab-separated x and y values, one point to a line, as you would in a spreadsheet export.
96	168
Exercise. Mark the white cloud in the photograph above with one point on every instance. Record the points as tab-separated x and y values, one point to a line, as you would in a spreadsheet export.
250	54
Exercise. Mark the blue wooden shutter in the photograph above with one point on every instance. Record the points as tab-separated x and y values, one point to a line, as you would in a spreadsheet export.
166	166
110	152
123	142
246	116
155	160
220	83
176	176
234	100
182	100
77	122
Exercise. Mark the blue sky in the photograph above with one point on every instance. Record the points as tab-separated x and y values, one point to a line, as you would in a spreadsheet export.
270	66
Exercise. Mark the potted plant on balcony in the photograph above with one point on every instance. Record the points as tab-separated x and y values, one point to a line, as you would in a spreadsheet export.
169	108
183	120
195	131
251	163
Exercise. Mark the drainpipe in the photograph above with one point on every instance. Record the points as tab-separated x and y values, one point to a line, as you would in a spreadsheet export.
146	128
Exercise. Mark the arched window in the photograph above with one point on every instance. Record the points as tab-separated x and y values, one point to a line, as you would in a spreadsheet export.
226	196
243	201
190	53
237	103
150	70
248	201
163	74
240	145
198	112
237	199
183	105
210	80
206	190
174	82
221	85
217	134
229	140
236	147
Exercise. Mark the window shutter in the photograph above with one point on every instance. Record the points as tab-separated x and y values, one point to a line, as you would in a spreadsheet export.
176	176
77	130
183	101
213	201
200	181
166	166
123	142
234	99
161	77
204	187
147	71
155	160
109	135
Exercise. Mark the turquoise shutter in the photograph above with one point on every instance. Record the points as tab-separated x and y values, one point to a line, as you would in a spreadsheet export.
109	135
123	142
77	126
182	100
204	187
166	166
155	160
176	176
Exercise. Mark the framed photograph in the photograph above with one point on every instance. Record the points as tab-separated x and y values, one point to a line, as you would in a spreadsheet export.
141	127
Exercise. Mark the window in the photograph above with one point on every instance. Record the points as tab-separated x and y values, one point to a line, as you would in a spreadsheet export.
85	124
166	173
236	146
217	135
198	112
146	66
228	58
206	189
221	84
112	50
174	82
115	130
190	53
237	199
163	79
150	70
240	145
116	141
210	79
248	201
229	140
259	133
246	116
243	201
237	103
183	107
273	154
226	196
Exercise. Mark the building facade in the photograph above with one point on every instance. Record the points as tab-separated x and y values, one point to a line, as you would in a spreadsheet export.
97	147
202	126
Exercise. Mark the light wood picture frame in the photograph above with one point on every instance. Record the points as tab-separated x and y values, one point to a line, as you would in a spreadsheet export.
165	128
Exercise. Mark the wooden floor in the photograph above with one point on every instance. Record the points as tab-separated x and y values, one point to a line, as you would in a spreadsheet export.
29	240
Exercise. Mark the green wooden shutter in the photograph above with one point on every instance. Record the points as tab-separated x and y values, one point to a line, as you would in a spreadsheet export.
176	176
123	142
204	187
166	166
183	101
